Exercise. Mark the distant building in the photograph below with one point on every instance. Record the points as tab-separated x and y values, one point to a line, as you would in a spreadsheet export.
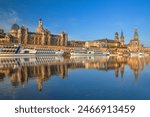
107	43
117	46
134	44
92	44
1	31
3	37
74	43
42	36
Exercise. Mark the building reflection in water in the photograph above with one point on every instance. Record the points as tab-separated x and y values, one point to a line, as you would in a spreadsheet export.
21	70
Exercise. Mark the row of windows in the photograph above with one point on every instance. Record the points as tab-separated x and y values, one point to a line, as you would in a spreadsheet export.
43	52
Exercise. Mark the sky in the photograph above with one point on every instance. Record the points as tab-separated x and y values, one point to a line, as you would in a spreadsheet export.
81	19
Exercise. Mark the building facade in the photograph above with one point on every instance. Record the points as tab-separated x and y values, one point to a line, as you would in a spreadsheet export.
134	44
41	36
107	43
1	31
117	45
74	43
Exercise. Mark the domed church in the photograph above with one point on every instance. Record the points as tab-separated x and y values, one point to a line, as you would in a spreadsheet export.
14	30
41	36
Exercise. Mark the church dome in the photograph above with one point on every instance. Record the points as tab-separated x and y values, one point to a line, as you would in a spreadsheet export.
116	33
15	27
1	30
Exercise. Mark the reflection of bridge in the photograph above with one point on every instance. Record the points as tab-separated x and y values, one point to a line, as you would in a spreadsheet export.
41	69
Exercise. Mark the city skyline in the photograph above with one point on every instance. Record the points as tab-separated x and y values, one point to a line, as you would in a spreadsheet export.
83	20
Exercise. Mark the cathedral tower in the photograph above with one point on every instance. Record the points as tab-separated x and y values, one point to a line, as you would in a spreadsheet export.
136	36
40	27
116	37
23	35
122	39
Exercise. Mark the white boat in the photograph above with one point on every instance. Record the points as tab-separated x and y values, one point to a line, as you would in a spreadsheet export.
88	52
41	51
89	58
143	54
138	54
18	51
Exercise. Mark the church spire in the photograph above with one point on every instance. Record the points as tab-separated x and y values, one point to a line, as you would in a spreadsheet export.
122	38
116	37
40	26
136	37
40	23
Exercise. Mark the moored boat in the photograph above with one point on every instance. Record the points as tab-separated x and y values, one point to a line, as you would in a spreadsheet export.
18	51
88	52
138	54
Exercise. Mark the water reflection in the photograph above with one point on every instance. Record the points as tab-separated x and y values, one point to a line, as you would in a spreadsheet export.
41	69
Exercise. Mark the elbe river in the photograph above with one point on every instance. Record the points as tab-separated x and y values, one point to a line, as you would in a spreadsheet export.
75	78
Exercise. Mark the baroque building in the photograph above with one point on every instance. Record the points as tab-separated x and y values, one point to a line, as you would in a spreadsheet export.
107	43
122	39
74	43
3	37
41	36
134	44
1	32
117	45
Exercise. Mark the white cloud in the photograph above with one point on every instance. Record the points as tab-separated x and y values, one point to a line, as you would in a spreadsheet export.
7	18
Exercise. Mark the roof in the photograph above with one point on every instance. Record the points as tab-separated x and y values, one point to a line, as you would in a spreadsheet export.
15	27
108	40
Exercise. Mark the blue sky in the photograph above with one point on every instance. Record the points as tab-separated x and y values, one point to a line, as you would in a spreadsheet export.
81	19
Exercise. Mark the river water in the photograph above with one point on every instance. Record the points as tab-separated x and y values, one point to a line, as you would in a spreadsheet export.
75	78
